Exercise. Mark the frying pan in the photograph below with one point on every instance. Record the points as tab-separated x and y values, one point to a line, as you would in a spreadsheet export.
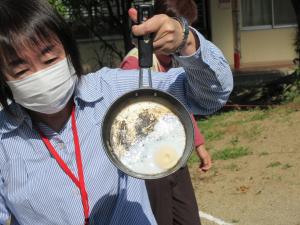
147	133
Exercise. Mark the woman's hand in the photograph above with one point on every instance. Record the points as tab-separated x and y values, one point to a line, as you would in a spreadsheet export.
204	157
168	34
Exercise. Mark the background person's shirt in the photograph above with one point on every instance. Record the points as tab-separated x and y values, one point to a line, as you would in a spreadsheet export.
35	189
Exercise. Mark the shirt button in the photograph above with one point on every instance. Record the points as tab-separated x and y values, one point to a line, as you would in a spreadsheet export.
62	146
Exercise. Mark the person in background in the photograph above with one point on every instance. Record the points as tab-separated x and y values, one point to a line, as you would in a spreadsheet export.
172	198
53	167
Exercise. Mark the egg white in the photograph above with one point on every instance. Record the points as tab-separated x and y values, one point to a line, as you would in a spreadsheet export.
168	131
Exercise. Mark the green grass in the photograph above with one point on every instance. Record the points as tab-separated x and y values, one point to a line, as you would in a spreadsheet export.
234	141
297	99
233	152
263	153
232	167
276	177
274	164
213	135
219	120
193	158
209	128
235	128
251	116
286	166
253	132
214	171
258	116
214	128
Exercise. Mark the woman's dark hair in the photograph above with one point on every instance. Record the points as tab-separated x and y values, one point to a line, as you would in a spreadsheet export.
174	8
26	23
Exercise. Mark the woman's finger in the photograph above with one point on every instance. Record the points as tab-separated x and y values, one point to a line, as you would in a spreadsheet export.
152	25
206	165
132	12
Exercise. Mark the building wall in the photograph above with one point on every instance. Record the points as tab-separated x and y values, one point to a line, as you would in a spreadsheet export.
257	46
268	45
222	29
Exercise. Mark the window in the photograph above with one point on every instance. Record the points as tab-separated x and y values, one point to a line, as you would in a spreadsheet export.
284	13
267	14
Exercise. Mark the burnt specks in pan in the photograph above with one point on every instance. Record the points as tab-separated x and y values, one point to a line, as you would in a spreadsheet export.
145	123
133	124
122	135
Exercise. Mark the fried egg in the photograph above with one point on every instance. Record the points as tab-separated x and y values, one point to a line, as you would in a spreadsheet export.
158	151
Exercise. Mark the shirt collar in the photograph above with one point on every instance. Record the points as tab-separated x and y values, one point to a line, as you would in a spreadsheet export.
10	122
85	91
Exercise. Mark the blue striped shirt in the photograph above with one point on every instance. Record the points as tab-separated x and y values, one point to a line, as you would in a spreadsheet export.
35	189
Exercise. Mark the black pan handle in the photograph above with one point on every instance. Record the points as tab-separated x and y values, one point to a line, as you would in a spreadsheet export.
145	43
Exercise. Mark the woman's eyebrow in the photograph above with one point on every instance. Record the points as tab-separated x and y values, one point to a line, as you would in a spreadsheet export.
17	62
47	49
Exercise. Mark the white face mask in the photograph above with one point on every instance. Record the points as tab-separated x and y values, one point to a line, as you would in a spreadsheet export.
47	91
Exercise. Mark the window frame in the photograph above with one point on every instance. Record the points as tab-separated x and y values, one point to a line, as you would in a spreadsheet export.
263	27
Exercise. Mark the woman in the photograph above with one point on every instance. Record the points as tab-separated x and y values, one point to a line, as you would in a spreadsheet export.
53	168
172	198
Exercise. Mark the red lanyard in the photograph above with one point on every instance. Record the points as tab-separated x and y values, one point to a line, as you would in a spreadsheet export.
78	182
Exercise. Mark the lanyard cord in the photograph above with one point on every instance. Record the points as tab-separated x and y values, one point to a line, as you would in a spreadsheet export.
78	182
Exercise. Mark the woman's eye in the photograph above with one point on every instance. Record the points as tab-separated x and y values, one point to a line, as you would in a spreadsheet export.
22	72
49	61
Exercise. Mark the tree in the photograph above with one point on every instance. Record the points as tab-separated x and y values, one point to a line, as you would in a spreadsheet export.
296	5
99	18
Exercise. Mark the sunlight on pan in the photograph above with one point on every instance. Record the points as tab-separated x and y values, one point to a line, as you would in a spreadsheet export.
148	138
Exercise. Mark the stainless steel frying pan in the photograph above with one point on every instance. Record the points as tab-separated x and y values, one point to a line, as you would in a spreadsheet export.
147	133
